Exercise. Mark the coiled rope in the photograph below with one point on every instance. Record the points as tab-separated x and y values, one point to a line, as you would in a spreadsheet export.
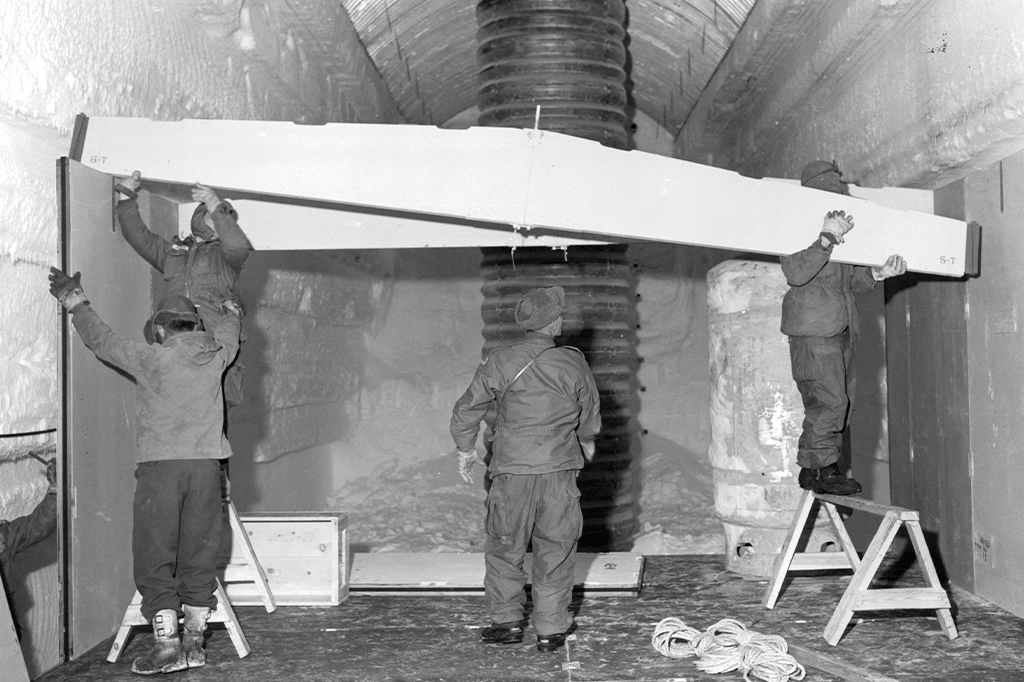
726	646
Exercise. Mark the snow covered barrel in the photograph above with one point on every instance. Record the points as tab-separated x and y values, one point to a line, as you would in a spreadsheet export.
756	416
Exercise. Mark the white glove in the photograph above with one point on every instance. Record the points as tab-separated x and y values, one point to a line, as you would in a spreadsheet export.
205	195
836	224
466	462
233	307
589	449
894	265
130	185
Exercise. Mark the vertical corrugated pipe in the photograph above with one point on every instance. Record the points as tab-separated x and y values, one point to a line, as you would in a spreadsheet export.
567	57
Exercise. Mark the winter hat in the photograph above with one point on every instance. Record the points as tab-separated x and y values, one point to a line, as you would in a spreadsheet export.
170	308
816	175
540	307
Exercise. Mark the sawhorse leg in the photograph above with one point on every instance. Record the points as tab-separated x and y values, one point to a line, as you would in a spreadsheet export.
791	560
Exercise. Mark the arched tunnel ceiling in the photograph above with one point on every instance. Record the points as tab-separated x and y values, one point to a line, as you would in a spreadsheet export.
897	90
425	51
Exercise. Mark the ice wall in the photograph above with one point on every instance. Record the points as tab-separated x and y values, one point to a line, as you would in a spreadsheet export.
163	60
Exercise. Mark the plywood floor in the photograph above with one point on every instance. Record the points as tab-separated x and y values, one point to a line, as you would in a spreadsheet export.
407	638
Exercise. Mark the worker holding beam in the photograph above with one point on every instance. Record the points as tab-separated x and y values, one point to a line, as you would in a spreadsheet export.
819	315
179	445
202	266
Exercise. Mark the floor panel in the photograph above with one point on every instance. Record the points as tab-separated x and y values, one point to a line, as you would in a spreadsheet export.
407	638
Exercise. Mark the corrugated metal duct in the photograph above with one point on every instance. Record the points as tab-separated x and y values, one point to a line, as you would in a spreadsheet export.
567	57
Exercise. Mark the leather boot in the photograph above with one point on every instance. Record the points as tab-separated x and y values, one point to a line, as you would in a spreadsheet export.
503	633
829	480
166	656
193	634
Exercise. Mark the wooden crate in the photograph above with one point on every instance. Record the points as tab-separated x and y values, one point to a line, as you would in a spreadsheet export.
304	554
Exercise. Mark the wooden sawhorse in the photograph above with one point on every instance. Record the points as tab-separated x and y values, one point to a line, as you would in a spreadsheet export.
223	613
858	596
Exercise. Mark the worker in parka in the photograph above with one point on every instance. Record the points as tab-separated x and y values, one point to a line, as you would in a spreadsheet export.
547	417
179	443
202	266
819	315
17	535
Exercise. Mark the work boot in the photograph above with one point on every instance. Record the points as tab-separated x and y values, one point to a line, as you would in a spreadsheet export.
193	634
503	633
166	656
807	478
550	642
829	480
555	641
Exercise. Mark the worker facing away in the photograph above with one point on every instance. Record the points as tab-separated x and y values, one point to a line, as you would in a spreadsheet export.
819	315
547	415
179	444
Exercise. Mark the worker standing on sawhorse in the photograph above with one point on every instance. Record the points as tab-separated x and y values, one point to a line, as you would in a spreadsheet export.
819	315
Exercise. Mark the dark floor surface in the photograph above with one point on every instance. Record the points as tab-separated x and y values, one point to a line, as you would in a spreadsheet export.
371	638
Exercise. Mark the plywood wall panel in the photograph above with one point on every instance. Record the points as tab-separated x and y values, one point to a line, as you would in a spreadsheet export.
995	197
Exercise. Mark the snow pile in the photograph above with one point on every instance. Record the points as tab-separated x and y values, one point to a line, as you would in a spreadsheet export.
426	507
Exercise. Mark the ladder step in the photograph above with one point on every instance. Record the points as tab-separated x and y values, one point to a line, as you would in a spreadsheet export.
820	561
896	598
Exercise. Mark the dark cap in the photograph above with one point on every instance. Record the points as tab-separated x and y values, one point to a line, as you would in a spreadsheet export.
540	307
171	308
816	175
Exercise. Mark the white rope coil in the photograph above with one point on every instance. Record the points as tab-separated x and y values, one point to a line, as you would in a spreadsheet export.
726	646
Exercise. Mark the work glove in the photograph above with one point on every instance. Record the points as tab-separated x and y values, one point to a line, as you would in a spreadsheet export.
130	186
67	290
589	449
234	307
205	195
466	461
836	224
51	476
894	265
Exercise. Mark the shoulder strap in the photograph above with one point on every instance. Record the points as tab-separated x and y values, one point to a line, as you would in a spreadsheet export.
501	398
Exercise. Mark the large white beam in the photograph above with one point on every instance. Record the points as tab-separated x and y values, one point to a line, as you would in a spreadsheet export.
274	226
524	178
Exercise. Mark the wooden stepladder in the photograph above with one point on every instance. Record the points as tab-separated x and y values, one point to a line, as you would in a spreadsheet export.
223	613
858	595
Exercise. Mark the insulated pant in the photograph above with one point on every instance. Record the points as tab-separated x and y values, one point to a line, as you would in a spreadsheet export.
544	508
176	533
821	369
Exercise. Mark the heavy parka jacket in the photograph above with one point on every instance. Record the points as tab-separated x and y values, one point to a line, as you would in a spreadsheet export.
203	271
18	535
179	404
820	300
542	415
